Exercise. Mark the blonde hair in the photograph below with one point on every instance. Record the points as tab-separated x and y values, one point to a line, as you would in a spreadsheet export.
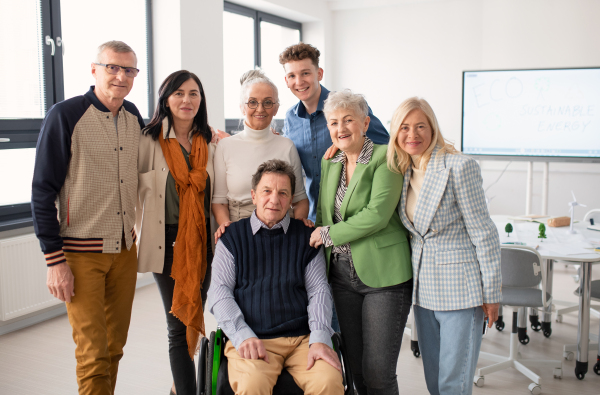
347	100
398	160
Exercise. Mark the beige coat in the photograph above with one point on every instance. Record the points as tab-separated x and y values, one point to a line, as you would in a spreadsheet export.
150	209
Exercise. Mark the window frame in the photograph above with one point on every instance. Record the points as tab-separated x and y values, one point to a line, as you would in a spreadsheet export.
232	124
24	132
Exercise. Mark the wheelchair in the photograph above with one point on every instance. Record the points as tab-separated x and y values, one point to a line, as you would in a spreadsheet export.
213	375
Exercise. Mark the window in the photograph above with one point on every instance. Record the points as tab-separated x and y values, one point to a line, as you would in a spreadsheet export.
50	61
255	39
79	50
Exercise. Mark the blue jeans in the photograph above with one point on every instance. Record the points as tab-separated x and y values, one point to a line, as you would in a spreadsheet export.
449	342
372	321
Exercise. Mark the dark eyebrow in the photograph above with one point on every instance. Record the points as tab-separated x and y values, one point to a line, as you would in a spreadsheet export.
291	72
181	90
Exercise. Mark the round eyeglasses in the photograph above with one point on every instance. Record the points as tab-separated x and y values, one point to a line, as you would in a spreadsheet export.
114	69
253	104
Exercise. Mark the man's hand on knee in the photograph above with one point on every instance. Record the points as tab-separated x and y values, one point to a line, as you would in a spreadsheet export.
324	352
60	282
253	348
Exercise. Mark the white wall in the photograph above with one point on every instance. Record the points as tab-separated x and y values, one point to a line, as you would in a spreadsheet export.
392	52
315	17
188	35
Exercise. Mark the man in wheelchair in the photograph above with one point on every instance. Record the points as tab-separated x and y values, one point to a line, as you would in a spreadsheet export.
269	294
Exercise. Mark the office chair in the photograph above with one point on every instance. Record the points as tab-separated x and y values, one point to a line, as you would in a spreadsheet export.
522	274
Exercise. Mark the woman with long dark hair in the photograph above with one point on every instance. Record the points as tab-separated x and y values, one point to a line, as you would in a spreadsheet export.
173	215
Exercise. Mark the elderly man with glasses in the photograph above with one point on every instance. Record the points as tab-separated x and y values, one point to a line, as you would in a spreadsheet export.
86	161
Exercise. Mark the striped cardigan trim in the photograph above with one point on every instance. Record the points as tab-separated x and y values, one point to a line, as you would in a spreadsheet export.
72	244
54	258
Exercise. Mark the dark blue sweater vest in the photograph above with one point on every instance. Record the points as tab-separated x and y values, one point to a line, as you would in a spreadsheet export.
269	274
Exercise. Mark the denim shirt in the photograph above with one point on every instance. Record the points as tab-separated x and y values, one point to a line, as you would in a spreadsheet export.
311	137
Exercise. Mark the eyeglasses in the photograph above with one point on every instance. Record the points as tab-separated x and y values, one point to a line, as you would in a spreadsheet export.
253	104
114	69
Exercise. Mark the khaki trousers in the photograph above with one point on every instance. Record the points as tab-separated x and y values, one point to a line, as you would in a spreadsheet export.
99	314
255	376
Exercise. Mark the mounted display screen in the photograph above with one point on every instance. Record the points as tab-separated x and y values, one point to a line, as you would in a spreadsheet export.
553	114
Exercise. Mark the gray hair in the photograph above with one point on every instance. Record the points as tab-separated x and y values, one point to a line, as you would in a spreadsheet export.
274	166
347	100
252	77
116	46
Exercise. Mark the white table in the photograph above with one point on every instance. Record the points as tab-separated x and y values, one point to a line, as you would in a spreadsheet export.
561	246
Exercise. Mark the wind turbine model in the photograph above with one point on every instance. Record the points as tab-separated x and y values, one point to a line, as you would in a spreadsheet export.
573	204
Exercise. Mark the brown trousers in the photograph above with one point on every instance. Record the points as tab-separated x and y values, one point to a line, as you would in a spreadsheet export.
99	314
255	376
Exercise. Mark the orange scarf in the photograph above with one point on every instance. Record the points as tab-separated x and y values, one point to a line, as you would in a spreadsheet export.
189	253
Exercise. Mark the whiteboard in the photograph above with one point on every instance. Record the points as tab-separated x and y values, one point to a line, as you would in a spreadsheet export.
543	113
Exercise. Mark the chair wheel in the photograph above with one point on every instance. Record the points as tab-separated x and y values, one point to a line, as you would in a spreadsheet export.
500	325
569	355
525	340
414	346
559	318
547	329
558	373
581	369
597	368
479	381
535	323
535	389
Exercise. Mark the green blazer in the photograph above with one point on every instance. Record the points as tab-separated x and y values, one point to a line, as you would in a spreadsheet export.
371	225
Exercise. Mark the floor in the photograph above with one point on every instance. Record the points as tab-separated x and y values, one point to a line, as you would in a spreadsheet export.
40	359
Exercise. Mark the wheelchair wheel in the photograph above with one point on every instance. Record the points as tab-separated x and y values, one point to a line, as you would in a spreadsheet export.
202	364
209	365
339	347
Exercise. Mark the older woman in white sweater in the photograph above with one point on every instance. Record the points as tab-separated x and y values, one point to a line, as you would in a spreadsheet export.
238	157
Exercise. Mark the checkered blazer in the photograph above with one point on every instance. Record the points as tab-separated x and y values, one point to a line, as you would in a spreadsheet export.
455	244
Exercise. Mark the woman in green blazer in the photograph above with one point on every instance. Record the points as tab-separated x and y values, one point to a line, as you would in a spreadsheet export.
368	257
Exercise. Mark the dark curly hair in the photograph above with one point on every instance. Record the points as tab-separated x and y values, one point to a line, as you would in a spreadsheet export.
300	51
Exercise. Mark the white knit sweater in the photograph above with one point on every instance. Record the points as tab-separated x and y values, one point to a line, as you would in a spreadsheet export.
237	158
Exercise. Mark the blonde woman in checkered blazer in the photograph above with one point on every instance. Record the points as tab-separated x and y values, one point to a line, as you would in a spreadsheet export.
455	247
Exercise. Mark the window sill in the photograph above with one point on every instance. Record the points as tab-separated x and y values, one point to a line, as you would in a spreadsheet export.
16	224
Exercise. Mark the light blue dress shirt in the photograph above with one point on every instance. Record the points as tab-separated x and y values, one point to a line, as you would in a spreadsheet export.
311	137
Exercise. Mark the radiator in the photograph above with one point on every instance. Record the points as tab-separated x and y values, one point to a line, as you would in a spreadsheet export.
22	278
